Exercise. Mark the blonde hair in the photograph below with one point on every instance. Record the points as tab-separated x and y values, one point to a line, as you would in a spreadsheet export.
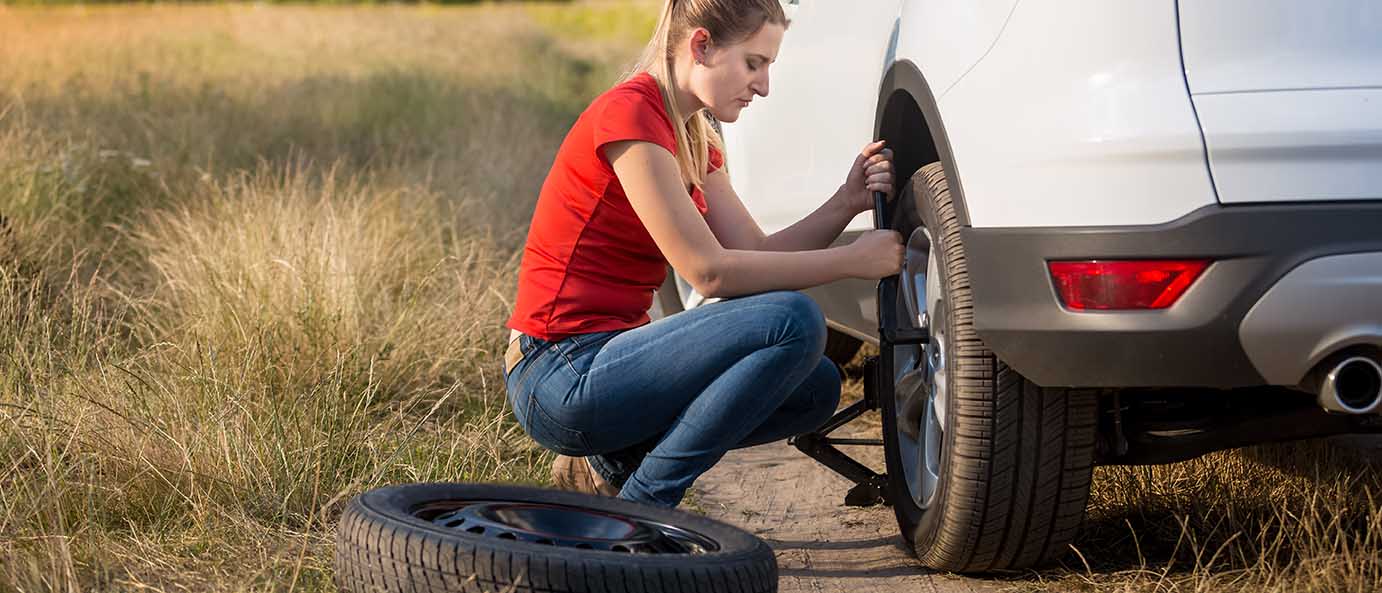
729	22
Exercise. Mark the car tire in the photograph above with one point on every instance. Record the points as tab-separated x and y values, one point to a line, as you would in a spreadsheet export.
433	538
1009	462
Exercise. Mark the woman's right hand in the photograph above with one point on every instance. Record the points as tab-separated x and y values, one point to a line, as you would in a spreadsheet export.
877	254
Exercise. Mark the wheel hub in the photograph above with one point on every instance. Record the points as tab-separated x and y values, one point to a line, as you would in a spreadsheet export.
565	526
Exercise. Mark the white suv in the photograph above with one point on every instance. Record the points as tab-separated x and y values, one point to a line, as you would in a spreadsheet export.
1137	231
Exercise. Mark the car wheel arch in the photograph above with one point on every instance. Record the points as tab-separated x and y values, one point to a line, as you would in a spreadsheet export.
908	117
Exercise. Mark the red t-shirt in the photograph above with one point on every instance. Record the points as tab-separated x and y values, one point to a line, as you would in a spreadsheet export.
589	264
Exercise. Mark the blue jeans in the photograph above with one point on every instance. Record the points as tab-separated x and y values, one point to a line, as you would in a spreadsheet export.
655	406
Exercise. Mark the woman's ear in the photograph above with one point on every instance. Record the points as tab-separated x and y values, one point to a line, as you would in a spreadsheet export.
700	45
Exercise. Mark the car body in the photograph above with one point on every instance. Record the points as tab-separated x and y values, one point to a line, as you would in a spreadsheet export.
1098	130
1225	155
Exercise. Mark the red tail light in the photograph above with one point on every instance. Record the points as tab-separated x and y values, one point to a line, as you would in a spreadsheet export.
1132	284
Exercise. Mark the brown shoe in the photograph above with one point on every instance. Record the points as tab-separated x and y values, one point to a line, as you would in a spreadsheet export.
575	474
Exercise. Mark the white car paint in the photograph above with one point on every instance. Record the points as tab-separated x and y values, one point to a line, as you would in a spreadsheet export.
1075	113
956	36
1048	127
1078	112
1290	99
789	151
1235	46
1290	146
1079	116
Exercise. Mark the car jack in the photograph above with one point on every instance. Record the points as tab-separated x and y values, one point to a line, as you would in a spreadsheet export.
870	487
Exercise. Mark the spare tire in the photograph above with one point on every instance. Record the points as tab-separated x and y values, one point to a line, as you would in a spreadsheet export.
488	537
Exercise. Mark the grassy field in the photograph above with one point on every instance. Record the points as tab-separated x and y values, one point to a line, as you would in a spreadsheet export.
254	260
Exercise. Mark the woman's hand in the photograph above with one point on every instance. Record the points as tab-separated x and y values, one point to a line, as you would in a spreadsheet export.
872	171
876	254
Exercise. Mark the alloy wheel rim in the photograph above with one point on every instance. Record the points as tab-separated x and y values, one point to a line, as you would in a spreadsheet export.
921	368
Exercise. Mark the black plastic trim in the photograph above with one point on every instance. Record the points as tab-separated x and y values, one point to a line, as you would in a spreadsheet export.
910	153
1193	343
1170	426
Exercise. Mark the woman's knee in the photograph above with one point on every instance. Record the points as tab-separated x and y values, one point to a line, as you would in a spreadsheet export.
801	317
819	394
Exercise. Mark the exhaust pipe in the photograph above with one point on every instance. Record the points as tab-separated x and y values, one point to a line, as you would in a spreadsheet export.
1351	386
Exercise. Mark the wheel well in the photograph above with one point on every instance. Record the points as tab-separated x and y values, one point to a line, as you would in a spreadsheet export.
908	118
904	127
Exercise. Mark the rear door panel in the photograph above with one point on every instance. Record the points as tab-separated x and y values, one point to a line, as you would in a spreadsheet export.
1289	95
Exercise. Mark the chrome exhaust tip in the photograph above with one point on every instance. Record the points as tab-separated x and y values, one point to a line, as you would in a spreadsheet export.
1352	386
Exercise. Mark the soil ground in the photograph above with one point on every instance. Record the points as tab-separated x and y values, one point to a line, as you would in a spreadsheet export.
797	506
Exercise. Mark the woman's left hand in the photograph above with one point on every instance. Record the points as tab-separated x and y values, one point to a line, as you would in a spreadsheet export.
872	171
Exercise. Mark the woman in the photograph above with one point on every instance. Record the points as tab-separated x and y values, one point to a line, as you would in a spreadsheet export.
638	409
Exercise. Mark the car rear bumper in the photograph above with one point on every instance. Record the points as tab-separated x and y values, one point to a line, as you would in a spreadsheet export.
1196	342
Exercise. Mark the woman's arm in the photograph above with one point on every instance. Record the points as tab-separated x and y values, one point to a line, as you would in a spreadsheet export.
736	228
650	178
732	223
819	229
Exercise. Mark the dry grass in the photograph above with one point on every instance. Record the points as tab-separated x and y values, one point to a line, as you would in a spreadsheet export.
254	260
1279	518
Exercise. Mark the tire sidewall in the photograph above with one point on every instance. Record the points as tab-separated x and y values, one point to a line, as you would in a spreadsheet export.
394	504
919	527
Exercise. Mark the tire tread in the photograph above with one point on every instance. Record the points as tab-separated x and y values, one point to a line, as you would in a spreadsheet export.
1017	475
378	553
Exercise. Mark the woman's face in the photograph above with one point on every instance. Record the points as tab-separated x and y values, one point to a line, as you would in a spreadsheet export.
730	76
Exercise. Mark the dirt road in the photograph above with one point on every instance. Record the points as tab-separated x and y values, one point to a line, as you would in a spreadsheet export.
797	506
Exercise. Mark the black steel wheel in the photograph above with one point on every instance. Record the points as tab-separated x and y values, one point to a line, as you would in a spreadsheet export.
987	471
487	537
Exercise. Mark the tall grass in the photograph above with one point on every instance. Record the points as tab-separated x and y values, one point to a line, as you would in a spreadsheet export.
255	260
